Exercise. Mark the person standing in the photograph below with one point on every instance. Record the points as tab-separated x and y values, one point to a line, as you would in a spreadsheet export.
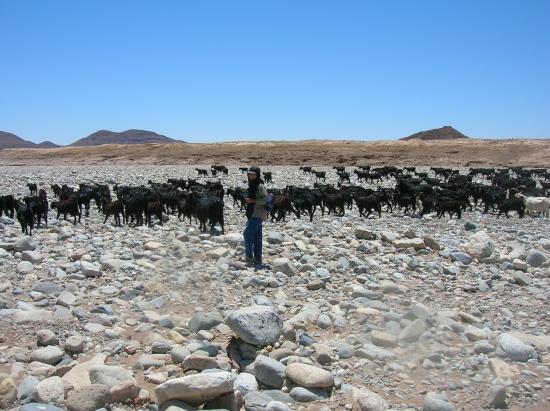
256	200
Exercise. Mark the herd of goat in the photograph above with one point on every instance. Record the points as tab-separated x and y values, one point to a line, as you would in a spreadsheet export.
440	191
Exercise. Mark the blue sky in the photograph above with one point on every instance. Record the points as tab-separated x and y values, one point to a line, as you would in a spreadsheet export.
253	70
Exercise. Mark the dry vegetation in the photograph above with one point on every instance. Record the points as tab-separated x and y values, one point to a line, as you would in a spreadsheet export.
470	152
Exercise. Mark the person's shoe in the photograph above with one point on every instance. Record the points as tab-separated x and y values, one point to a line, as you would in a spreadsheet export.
258	265
250	262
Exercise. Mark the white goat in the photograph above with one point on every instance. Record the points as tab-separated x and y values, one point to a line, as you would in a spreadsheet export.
536	205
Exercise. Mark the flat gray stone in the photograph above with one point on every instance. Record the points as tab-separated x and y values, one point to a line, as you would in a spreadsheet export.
26	387
374	353
24	244
437	402
496	397
48	355
110	375
413	331
514	348
34	406
204	321
197	388
302	394
535	258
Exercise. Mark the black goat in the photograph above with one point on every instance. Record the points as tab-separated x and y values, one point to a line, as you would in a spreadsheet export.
25	217
7	205
268	178
33	188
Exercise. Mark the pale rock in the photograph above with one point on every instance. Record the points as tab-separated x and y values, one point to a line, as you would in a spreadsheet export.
24	267
285	266
416	243
34	257
437	402
475	334
197	388
89	269
66	299
309	376
218	252
413	331
501	369
479	245
50	390
367	400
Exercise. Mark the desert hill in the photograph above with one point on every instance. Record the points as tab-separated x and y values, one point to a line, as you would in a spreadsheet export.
443	133
10	140
131	136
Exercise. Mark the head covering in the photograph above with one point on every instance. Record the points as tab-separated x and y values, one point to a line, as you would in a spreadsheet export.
253	184
254	169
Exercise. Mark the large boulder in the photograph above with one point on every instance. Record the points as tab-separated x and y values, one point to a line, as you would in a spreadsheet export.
257	325
197	388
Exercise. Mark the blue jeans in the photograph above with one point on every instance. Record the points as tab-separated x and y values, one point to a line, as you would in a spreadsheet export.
253	238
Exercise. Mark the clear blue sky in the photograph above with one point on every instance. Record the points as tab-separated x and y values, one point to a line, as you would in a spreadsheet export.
237	70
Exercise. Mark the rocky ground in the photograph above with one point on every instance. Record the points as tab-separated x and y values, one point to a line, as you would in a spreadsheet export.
393	313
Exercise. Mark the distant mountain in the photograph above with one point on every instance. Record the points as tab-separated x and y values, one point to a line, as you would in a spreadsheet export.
443	133
125	137
47	144
10	140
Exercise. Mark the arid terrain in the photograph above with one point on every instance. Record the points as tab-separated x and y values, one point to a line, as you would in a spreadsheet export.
351	313
454	153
